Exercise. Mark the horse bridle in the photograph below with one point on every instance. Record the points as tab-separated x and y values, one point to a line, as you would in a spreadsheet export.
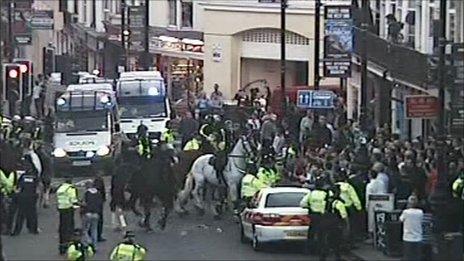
248	151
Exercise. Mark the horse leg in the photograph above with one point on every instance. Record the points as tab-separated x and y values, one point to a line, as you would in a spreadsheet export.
197	195
145	222
133	203
183	195
164	216
233	197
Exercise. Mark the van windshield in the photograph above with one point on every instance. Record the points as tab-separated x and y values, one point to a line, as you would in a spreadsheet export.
138	107
81	121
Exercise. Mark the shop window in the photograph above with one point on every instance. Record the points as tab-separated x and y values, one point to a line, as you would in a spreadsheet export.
172	12
187	13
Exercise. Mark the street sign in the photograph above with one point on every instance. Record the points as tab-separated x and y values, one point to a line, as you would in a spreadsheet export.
136	22
421	106
42	20
23	39
312	99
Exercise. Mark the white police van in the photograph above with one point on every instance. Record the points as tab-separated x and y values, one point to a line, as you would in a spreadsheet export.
87	131
142	99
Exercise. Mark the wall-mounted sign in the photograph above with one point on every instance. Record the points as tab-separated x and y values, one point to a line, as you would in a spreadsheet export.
136	22
421	106
217	53
338	41
42	20
23	39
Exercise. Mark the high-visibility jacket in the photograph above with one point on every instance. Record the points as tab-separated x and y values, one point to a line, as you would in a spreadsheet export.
339	208
8	184
79	252
250	186
127	251
192	144
315	201
268	176
168	136
458	187
348	195
144	148
66	196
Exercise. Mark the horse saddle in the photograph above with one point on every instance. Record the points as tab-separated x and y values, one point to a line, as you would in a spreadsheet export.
212	161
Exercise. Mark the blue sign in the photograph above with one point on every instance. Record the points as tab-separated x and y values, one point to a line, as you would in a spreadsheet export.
315	99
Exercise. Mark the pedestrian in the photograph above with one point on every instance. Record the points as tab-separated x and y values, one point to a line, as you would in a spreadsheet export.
67	198
27	198
99	184
306	125
379	168
128	250
78	250
321	135
374	187
216	97
92	206
36	95
412	230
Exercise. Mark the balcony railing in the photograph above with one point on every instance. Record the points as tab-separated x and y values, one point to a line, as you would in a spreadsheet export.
402	63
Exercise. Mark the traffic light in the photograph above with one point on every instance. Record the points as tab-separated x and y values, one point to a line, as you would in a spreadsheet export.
12	80
48	60
26	68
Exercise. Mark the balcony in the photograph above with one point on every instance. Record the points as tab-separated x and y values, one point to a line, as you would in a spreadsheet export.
402	63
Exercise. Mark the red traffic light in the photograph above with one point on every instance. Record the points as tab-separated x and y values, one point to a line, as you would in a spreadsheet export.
23	68
13	73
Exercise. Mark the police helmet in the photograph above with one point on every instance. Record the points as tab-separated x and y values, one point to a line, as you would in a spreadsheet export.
216	118
16	118
129	234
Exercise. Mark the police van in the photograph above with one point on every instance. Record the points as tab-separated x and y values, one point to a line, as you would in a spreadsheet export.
142	99
87	131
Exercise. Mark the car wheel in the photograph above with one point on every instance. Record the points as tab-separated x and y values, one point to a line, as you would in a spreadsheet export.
243	239
255	242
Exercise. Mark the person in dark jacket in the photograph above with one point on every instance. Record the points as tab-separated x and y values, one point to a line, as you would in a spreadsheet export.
188	128
93	205
44	153
100	186
321	135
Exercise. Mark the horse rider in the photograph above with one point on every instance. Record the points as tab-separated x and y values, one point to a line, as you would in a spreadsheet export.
213	132
128	249
193	144
267	173
168	135
77	249
143	142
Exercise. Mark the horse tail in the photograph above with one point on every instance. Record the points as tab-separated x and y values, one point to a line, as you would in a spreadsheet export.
188	187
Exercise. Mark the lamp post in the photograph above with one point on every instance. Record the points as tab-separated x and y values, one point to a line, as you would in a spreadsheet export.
283	6
363	55
123	32
317	40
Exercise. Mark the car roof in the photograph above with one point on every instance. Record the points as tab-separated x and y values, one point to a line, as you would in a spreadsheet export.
283	190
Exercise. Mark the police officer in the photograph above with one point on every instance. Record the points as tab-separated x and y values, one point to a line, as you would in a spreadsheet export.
168	135
78	250
458	186
331	225
250	184
213	132
193	144
67	198
8	190
27	198
315	201
16	128
267	173
143	142
128	250
351	200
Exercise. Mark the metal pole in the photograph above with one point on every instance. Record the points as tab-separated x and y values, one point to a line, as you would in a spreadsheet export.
283	6
123	29
441	197
317	40
363	53
11	43
147	35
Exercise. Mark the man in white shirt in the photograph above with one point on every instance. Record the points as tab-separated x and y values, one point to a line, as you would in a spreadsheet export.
374	187
412	230
379	168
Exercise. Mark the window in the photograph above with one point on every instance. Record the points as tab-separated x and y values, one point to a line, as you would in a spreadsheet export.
284	199
187	13
172	12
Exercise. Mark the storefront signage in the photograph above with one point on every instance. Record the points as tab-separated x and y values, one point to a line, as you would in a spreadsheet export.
217	53
23	39
42	20
315	99
177	47
338	41
421	106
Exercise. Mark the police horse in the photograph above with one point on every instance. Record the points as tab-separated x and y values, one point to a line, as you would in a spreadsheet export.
203	173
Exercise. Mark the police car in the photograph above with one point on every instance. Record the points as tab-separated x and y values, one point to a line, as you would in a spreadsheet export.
274	214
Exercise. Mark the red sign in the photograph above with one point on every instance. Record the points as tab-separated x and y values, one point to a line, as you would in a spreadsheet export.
421	106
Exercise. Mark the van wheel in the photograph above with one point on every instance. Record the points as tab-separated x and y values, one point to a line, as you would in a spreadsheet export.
255	242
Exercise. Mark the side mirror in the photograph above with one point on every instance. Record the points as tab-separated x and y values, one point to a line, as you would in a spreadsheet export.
117	128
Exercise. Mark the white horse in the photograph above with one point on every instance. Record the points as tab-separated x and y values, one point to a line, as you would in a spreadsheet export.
203	173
